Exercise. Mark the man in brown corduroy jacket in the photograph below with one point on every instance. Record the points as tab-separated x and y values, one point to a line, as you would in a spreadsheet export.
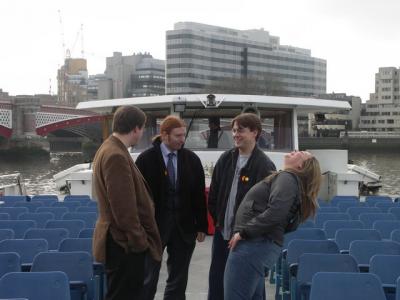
126	230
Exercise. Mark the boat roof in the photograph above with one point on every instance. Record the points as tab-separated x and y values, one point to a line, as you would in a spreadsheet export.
228	100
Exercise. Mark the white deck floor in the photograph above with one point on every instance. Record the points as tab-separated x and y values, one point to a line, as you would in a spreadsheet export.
198	274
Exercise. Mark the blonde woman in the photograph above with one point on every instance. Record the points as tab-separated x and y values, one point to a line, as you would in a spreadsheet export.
263	217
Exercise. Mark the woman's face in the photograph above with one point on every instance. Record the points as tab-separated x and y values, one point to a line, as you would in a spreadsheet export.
295	159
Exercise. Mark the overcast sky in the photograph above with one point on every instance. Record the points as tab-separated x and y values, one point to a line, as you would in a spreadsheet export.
355	37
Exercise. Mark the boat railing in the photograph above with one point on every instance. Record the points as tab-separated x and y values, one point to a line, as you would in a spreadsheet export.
369	134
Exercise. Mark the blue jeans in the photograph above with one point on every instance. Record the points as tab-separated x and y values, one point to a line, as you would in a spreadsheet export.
245	268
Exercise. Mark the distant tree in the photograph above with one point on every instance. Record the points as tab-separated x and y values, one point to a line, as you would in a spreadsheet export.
261	85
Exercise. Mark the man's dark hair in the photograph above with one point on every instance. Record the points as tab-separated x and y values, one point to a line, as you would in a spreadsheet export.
126	118
248	120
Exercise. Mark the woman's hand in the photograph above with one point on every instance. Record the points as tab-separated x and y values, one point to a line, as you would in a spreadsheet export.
236	238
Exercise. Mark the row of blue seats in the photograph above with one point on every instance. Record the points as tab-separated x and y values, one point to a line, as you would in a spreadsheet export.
20	227
363	243
333	276
369	200
53	236
83	198
58	212
343	206
41	218
34	205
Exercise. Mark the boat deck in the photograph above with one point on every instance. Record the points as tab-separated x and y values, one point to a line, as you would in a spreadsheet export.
198	274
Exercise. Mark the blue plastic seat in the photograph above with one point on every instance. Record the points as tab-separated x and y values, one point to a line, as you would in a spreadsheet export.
76	244
39	218
395	211
362	251
92	209
92	204
89	218
57	211
355	212
53	236
321	218
86	233
387	268
344	205
31	206
312	263
47	200
346	286
344	237
9	262
27	249
331	226
337	199
307	224
328	209
395	235
71	205
82	199
372	200
6	234
35	286
13	199
369	218
73	226
18	226
4	216
385	206
386	227
14	212
77	266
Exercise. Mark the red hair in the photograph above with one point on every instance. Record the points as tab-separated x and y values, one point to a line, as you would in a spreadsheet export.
170	123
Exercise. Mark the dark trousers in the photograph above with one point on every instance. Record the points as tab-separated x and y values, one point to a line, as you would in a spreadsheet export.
179	256
125	272
219	255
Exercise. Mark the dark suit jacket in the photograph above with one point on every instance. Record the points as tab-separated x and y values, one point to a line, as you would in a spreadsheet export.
125	205
192	214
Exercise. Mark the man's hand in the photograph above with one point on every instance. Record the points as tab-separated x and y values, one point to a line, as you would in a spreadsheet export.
201	236
236	238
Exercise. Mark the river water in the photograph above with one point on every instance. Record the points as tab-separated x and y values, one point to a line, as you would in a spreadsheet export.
38	173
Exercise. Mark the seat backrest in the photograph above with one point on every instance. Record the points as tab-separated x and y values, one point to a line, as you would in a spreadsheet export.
311	263
395	211
86	233
386	267
35	286
304	234
321	218
31	206
53	236
18	226
14	212
13	199
76	197
47	200
385	206
331	226
27	249
386	227
9	262
77	265
71	205
6	234
39	217
395	235
337	199
344	205
344	237
362	251
355	212
328	209
372	200
369	218
92	209
57	211
73	226
92	204
88	217
4	216
77	244
346	286
298	247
